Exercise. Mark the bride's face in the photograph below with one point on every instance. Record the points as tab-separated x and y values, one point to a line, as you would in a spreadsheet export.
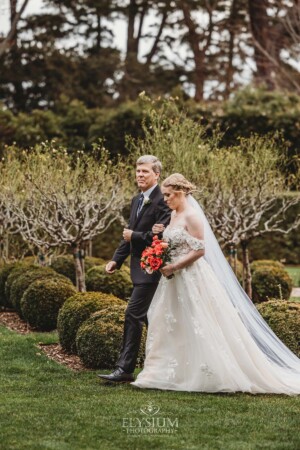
171	197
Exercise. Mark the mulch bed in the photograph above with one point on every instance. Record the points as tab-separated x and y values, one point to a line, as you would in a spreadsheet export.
12	321
55	352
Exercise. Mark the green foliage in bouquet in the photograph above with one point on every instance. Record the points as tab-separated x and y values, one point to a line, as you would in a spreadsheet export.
41	302
24	280
118	284
270	280
76	310
284	319
65	265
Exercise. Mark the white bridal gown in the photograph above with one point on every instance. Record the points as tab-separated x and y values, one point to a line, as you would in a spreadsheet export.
197	340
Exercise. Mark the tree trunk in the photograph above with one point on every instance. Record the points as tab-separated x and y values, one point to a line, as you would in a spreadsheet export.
264	40
15	16
199	55
247	277
232	31
78	254
233	258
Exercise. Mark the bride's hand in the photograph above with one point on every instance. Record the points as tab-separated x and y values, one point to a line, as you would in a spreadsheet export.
167	270
158	228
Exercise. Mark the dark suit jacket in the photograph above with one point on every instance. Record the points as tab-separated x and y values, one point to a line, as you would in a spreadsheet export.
154	212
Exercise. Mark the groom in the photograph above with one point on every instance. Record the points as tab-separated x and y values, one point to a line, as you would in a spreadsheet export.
147	208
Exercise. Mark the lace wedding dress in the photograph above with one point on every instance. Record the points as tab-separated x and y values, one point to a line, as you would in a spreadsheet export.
197	340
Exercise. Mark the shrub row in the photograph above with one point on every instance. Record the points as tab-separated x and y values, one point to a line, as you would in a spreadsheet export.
270	280
64	265
284	319
91	324
35	292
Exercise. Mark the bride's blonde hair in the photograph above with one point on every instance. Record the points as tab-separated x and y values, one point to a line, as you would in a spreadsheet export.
179	183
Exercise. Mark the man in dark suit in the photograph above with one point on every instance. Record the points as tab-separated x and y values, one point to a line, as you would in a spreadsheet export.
147	208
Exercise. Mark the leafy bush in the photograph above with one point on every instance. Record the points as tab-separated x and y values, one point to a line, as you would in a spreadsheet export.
65	265
24	280
270	281
76	310
118	284
41	302
266	263
99	338
284	319
5	271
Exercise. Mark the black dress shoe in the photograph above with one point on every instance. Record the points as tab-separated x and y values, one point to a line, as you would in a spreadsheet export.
118	376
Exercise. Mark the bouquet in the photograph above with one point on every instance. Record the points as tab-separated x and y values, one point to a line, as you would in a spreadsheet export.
156	256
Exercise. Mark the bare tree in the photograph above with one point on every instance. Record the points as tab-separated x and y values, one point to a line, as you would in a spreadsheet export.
15	16
67	201
248	196
243	189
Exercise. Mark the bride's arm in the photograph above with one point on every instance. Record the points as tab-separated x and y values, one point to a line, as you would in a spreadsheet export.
195	229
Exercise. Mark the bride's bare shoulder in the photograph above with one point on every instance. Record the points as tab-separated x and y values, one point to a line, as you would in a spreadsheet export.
193	223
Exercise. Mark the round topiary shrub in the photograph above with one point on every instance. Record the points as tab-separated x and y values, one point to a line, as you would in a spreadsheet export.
5	271
99	338
284	319
24	280
42	300
271	282
64	265
76	310
266	263
118	284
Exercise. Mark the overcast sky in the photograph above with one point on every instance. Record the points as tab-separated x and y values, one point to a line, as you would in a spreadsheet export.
36	6
119	29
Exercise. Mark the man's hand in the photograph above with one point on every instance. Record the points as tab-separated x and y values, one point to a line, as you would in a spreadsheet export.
111	267
127	234
158	228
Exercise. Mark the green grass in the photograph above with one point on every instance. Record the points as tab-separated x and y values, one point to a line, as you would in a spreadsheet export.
294	272
46	406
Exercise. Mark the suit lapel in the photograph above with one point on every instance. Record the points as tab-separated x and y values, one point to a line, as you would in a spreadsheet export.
134	210
137	219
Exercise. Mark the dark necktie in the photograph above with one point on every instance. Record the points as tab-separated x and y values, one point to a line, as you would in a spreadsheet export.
140	204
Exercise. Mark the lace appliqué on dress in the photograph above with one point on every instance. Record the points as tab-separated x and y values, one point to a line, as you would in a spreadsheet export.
171	371
170	320
182	241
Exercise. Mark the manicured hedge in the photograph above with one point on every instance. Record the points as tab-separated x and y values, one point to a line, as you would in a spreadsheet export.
99	338
284	319
118	284
76	310
65	265
270	280
42	300
21	280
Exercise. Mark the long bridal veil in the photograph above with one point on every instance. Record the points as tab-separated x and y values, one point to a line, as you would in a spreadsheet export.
264	337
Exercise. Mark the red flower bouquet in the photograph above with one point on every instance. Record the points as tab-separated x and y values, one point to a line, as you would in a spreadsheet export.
156	256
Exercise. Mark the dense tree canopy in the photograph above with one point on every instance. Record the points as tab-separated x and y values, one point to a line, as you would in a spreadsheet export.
200	48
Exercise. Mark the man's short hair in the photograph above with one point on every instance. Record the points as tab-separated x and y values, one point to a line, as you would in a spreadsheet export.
150	159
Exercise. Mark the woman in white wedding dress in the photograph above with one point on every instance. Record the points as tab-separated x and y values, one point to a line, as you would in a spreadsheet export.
204	333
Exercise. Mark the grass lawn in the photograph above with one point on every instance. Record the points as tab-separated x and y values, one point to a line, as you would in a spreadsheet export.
294	272
46	406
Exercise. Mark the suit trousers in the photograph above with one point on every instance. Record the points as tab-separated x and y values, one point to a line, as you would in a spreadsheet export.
135	318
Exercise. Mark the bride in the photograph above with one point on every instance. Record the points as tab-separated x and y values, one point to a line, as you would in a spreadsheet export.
204	332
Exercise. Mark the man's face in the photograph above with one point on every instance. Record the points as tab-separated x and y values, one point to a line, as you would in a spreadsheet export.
145	176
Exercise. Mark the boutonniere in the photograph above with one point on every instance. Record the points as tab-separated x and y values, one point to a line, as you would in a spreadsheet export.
147	201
